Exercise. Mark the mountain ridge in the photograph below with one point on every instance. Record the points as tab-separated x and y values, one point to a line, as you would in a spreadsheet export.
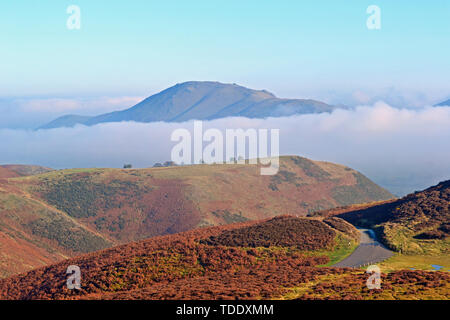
200	100
443	103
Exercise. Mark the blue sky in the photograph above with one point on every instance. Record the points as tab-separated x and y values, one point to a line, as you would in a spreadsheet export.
318	49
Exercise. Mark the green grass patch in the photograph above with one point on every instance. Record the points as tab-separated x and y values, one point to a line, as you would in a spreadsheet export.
343	248
401	239
417	262
306	288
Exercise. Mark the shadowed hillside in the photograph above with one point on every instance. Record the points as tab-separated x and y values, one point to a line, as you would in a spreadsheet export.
68	212
416	224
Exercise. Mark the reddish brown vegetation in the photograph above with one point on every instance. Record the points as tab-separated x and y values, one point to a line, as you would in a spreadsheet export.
419	216
126	207
165	261
261	281
181	267
284	231
431	208
12	170
6	173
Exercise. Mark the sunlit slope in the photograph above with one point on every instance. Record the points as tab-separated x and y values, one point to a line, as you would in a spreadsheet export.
267	247
278	258
69	212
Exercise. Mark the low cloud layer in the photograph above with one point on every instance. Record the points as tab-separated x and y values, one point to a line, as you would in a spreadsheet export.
401	149
33	112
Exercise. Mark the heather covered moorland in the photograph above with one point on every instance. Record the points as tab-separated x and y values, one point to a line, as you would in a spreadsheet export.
196	265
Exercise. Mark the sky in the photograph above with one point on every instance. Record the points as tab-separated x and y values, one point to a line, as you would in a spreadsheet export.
128	50
317	49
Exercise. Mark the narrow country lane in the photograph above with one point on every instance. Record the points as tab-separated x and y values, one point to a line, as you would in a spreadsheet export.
369	251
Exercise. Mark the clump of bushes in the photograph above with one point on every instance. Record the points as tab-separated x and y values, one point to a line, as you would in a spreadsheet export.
283	231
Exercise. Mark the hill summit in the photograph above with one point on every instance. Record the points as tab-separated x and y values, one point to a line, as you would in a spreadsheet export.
443	103
204	100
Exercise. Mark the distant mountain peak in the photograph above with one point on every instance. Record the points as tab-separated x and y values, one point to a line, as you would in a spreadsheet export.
443	103
201	100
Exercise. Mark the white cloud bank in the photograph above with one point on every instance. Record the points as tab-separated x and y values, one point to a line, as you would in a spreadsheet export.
401	149
24	113
64	105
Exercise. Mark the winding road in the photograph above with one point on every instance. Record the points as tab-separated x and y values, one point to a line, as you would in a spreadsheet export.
369	251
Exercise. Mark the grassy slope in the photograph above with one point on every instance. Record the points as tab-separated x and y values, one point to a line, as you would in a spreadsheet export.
343	247
416	262
94	208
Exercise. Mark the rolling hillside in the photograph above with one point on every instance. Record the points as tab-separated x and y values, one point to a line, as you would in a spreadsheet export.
65	213
199	264
13	171
201	101
416	224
